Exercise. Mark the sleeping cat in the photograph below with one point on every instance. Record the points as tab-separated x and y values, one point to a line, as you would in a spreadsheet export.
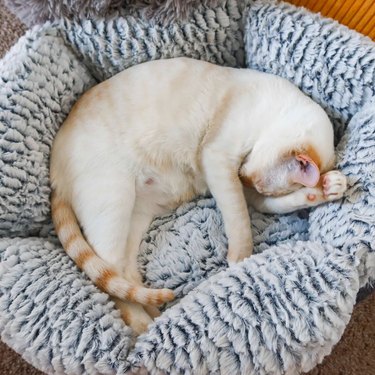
161	133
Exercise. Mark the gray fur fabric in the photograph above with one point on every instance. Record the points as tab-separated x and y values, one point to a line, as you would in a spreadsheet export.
278	312
34	12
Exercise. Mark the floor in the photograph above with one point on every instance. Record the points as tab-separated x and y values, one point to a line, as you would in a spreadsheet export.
354	354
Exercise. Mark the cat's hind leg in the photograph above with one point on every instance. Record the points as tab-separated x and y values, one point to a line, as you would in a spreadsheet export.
142	217
103	201
104	208
138	317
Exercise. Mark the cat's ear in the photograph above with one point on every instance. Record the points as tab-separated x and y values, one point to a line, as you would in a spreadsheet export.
306	172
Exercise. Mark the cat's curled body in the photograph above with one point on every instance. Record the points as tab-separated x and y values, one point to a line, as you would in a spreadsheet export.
161	133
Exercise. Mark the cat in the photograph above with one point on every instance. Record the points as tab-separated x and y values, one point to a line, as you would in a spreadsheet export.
161	133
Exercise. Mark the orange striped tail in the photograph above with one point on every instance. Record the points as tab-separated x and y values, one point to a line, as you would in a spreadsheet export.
100	272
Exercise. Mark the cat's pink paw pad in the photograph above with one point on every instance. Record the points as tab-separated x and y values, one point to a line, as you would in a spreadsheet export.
334	185
311	197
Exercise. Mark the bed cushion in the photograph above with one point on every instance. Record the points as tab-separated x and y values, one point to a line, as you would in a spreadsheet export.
280	311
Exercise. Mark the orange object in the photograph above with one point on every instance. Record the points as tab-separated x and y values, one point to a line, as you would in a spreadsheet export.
356	14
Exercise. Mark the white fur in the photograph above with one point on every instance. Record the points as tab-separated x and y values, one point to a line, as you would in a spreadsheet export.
163	132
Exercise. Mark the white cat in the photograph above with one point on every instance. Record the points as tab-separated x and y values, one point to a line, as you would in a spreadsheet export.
161	133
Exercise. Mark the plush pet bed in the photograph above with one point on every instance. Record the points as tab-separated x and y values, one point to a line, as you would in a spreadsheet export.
278	312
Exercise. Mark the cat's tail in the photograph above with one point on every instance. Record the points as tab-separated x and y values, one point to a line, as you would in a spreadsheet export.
100	272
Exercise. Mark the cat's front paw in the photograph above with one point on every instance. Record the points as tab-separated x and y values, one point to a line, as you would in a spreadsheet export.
236	254
334	185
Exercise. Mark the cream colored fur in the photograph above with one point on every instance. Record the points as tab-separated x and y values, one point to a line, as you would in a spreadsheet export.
161	133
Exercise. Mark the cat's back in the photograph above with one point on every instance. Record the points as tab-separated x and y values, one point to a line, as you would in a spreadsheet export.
159	105
157	96
162	92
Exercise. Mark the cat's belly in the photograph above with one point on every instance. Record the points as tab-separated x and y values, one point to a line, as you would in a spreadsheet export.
166	191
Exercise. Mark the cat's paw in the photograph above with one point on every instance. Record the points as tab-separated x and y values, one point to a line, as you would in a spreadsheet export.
134	316
334	185
236	255
140	324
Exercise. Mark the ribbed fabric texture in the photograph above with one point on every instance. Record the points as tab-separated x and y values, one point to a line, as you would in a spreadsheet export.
278	312
329	62
36	94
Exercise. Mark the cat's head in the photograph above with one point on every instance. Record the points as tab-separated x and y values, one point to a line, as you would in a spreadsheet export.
283	161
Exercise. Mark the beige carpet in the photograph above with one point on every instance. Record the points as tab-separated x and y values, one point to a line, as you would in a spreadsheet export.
10	29
355	353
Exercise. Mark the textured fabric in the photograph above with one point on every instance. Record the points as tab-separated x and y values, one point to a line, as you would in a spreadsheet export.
110	47
36	95
55	317
278	312
34	12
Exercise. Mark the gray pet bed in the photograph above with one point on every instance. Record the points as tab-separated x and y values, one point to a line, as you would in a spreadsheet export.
278	312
